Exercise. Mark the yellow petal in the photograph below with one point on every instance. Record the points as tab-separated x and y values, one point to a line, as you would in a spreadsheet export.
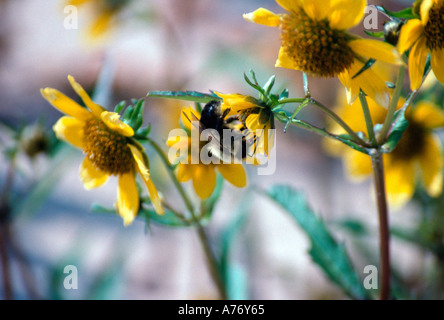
376	49
204	180
94	107
233	173
410	32
290	5
127	198
252	122
417	61
65	104
91	176
437	62
236	102
112	121
71	130
189	115
400	181
184	172
101	25
284	61
263	16
428	115
357	165
431	162
426	5
77	2
315	9
345	14
144	172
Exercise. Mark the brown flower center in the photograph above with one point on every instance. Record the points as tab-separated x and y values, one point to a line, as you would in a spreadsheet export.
107	149
411	143
434	29
313	46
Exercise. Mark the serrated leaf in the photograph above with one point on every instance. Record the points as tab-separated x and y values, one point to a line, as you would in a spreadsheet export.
400	124
325	250
185	95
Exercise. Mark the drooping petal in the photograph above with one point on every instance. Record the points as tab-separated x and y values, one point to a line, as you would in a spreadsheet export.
252	122
112	121
417	61
431	162
185	172
144	172
376	49
284	61
428	115
71	130
204	180
351	90
127	203
90	176
410	32
426	5
94	107
233	173
263	16
357	165
437	62
65	104
345	14
400	181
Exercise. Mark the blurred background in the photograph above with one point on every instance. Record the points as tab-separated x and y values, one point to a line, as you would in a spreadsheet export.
196	45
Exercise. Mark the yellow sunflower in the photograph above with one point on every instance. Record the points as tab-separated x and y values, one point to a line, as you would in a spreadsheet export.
417	157
108	147
257	117
314	39
202	175
423	37
105	15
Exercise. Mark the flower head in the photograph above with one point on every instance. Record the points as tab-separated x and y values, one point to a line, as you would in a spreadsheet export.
202	175
315	40
418	155
424	36
108	147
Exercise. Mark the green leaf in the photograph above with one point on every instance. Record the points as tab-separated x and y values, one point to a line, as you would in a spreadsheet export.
402	14
325	250
400	124
346	139
185	95
269	85
375	34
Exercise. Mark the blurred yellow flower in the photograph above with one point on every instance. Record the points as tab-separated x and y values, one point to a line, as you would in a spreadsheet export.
104	11
108	148
257	117
203	175
418	156
423	37
314	39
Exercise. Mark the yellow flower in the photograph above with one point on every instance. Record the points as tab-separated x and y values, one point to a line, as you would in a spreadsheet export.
203	175
314	39
108	147
257	117
418	156
104	11
423	37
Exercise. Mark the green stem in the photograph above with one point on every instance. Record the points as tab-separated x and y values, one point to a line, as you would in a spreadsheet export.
384	234
368	118
392	107
203	237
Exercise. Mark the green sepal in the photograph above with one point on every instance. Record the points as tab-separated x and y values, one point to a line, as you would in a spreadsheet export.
399	125
119	107
185	95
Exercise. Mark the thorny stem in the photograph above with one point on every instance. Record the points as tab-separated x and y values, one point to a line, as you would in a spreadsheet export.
384	234
203	237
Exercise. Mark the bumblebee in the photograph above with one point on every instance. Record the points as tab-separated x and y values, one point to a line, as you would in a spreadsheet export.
213	118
